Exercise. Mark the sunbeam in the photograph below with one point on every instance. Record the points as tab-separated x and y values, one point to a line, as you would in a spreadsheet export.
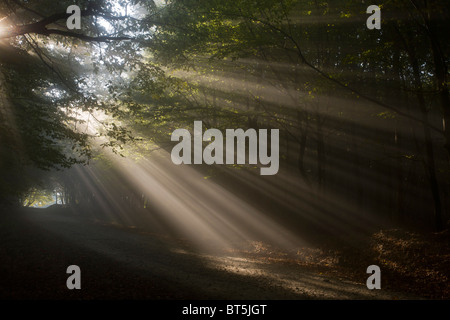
224	150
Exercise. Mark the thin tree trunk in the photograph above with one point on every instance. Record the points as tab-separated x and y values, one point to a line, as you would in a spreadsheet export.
430	160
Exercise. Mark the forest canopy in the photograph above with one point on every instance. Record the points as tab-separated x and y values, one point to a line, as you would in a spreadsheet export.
363	114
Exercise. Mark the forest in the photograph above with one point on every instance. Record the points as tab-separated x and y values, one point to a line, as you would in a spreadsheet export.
91	117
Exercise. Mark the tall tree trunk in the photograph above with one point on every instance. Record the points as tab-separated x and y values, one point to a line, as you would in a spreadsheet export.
441	72
357	168
302	148
320	154
430	160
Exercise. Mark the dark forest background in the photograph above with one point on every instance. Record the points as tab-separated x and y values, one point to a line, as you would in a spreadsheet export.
363	114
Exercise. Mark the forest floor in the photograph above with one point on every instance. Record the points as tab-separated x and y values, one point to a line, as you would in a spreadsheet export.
127	263
411	263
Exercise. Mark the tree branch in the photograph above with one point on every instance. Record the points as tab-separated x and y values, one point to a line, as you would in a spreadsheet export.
40	27
331	78
85	37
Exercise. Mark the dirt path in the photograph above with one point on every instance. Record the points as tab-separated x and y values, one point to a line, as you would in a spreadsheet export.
118	263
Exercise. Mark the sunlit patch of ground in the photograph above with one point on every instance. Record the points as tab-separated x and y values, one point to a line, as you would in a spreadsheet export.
309	276
410	262
128	260
419	263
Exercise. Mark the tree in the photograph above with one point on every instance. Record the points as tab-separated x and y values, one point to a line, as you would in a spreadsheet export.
49	78
354	105
337	58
